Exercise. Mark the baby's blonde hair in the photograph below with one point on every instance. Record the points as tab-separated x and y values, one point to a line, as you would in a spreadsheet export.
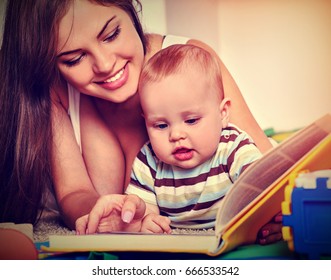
175	59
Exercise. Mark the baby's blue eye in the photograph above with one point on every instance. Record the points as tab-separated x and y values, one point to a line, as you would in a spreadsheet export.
161	126
191	121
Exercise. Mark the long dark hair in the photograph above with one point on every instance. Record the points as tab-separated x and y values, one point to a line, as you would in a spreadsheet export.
27	72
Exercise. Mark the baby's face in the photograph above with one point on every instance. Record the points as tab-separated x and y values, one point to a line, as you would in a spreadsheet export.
183	118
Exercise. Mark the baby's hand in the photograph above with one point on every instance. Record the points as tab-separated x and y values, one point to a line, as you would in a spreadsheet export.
155	223
271	232
113	212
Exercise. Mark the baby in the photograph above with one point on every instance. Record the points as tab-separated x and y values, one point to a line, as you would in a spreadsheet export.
194	155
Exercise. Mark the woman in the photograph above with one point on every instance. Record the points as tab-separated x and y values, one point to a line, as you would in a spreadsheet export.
51	51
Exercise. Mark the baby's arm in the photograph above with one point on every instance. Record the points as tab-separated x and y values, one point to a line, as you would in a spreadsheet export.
153	222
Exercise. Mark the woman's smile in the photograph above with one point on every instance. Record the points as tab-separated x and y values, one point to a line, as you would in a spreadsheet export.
117	80
116	77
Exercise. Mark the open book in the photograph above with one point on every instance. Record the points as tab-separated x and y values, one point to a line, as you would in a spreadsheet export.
253	201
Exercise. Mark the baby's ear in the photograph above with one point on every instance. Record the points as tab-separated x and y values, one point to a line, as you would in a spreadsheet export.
225	111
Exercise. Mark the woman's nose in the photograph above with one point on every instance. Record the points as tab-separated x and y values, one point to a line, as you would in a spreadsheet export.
103	63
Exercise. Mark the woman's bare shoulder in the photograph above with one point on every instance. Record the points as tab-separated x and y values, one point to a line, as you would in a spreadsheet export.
154	44
202	45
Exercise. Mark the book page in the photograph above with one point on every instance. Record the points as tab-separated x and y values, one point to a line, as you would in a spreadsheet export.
260	175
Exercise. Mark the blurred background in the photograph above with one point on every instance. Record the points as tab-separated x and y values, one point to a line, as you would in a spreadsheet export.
278	51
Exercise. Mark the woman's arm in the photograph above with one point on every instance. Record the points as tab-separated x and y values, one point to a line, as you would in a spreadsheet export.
80	179
240	113
73	188
102	152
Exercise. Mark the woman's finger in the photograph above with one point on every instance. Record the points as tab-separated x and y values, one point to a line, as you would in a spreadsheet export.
133	208
270	233
272	238
103	208
278	218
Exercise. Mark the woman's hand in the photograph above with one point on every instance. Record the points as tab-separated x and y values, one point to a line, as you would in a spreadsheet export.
271	232
113	212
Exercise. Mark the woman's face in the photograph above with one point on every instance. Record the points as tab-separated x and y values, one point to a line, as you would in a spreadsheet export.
99	51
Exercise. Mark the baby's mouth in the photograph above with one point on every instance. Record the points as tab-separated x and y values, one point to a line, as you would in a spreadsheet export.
183	154
181	150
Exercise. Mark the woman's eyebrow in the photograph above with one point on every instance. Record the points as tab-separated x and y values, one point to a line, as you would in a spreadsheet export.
105	26
98	36
68	52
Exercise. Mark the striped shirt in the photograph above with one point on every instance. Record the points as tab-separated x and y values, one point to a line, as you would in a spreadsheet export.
191	197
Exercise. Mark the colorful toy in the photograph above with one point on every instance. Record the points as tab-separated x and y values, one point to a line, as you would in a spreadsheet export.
307	213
